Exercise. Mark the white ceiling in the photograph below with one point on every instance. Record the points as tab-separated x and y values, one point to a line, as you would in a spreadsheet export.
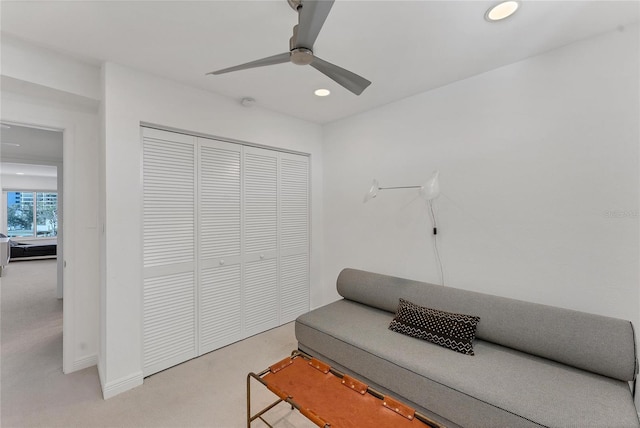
29	170
29	151
403	47
30	145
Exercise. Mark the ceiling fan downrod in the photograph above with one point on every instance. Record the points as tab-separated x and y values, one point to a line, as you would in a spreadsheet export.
295	4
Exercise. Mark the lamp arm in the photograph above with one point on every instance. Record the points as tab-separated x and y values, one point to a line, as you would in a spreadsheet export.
400	187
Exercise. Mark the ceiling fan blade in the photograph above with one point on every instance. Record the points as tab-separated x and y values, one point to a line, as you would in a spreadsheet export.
349	80
311	17
275	59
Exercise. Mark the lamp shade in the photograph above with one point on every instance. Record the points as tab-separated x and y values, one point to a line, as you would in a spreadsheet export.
431	189
373	191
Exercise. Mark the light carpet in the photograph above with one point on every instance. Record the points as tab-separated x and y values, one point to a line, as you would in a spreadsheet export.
209	391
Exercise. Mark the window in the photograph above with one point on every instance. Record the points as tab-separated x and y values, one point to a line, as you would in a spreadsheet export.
32	214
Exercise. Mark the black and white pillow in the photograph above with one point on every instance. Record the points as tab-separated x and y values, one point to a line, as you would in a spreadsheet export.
453	331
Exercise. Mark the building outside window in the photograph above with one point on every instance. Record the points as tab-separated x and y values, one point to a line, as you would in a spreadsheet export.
32	214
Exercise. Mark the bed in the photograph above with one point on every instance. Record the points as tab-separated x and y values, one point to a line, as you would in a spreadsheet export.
33	250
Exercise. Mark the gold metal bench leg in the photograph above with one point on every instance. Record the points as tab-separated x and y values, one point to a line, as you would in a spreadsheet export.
251	418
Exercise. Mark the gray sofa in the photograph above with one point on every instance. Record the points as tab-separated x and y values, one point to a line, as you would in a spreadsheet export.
534	365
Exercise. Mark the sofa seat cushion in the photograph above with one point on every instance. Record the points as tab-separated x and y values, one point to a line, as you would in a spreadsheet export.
536	389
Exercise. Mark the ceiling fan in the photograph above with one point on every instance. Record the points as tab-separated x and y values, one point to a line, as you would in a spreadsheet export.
311	17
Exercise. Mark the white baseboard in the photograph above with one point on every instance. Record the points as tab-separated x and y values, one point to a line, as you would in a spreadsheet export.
85	362
118	386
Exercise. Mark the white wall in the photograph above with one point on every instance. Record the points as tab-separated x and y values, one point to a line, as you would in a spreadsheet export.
539	178
30	63
44	88
29	182
30	104
132	97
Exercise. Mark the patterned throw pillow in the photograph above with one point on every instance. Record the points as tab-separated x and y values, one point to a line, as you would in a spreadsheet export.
454	331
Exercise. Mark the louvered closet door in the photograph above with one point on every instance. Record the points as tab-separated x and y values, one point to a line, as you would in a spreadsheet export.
169	289
294	236
260	295
220	244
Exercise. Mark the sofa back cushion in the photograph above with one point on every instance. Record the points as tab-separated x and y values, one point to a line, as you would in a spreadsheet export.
590	342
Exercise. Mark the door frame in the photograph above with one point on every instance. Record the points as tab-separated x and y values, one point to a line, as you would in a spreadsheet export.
64	277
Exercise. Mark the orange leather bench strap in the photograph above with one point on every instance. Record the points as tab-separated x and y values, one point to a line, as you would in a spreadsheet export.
311	415
399	408
316	364
281	365
354	384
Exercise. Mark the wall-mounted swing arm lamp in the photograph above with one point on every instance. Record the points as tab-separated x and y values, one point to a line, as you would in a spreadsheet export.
428	191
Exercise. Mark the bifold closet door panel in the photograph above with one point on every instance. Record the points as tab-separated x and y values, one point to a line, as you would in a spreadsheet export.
220	200
220	243
294	236
220	303
294	287
169	287
294	203
260	201
260	296
169	321
169	198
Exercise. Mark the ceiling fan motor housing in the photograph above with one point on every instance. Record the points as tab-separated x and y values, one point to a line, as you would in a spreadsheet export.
301	56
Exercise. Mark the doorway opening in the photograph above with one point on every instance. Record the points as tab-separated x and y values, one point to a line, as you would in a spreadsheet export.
31	216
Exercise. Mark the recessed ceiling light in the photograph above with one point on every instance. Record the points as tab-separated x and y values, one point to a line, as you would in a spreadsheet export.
502	10
322	92
11	144
19	173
